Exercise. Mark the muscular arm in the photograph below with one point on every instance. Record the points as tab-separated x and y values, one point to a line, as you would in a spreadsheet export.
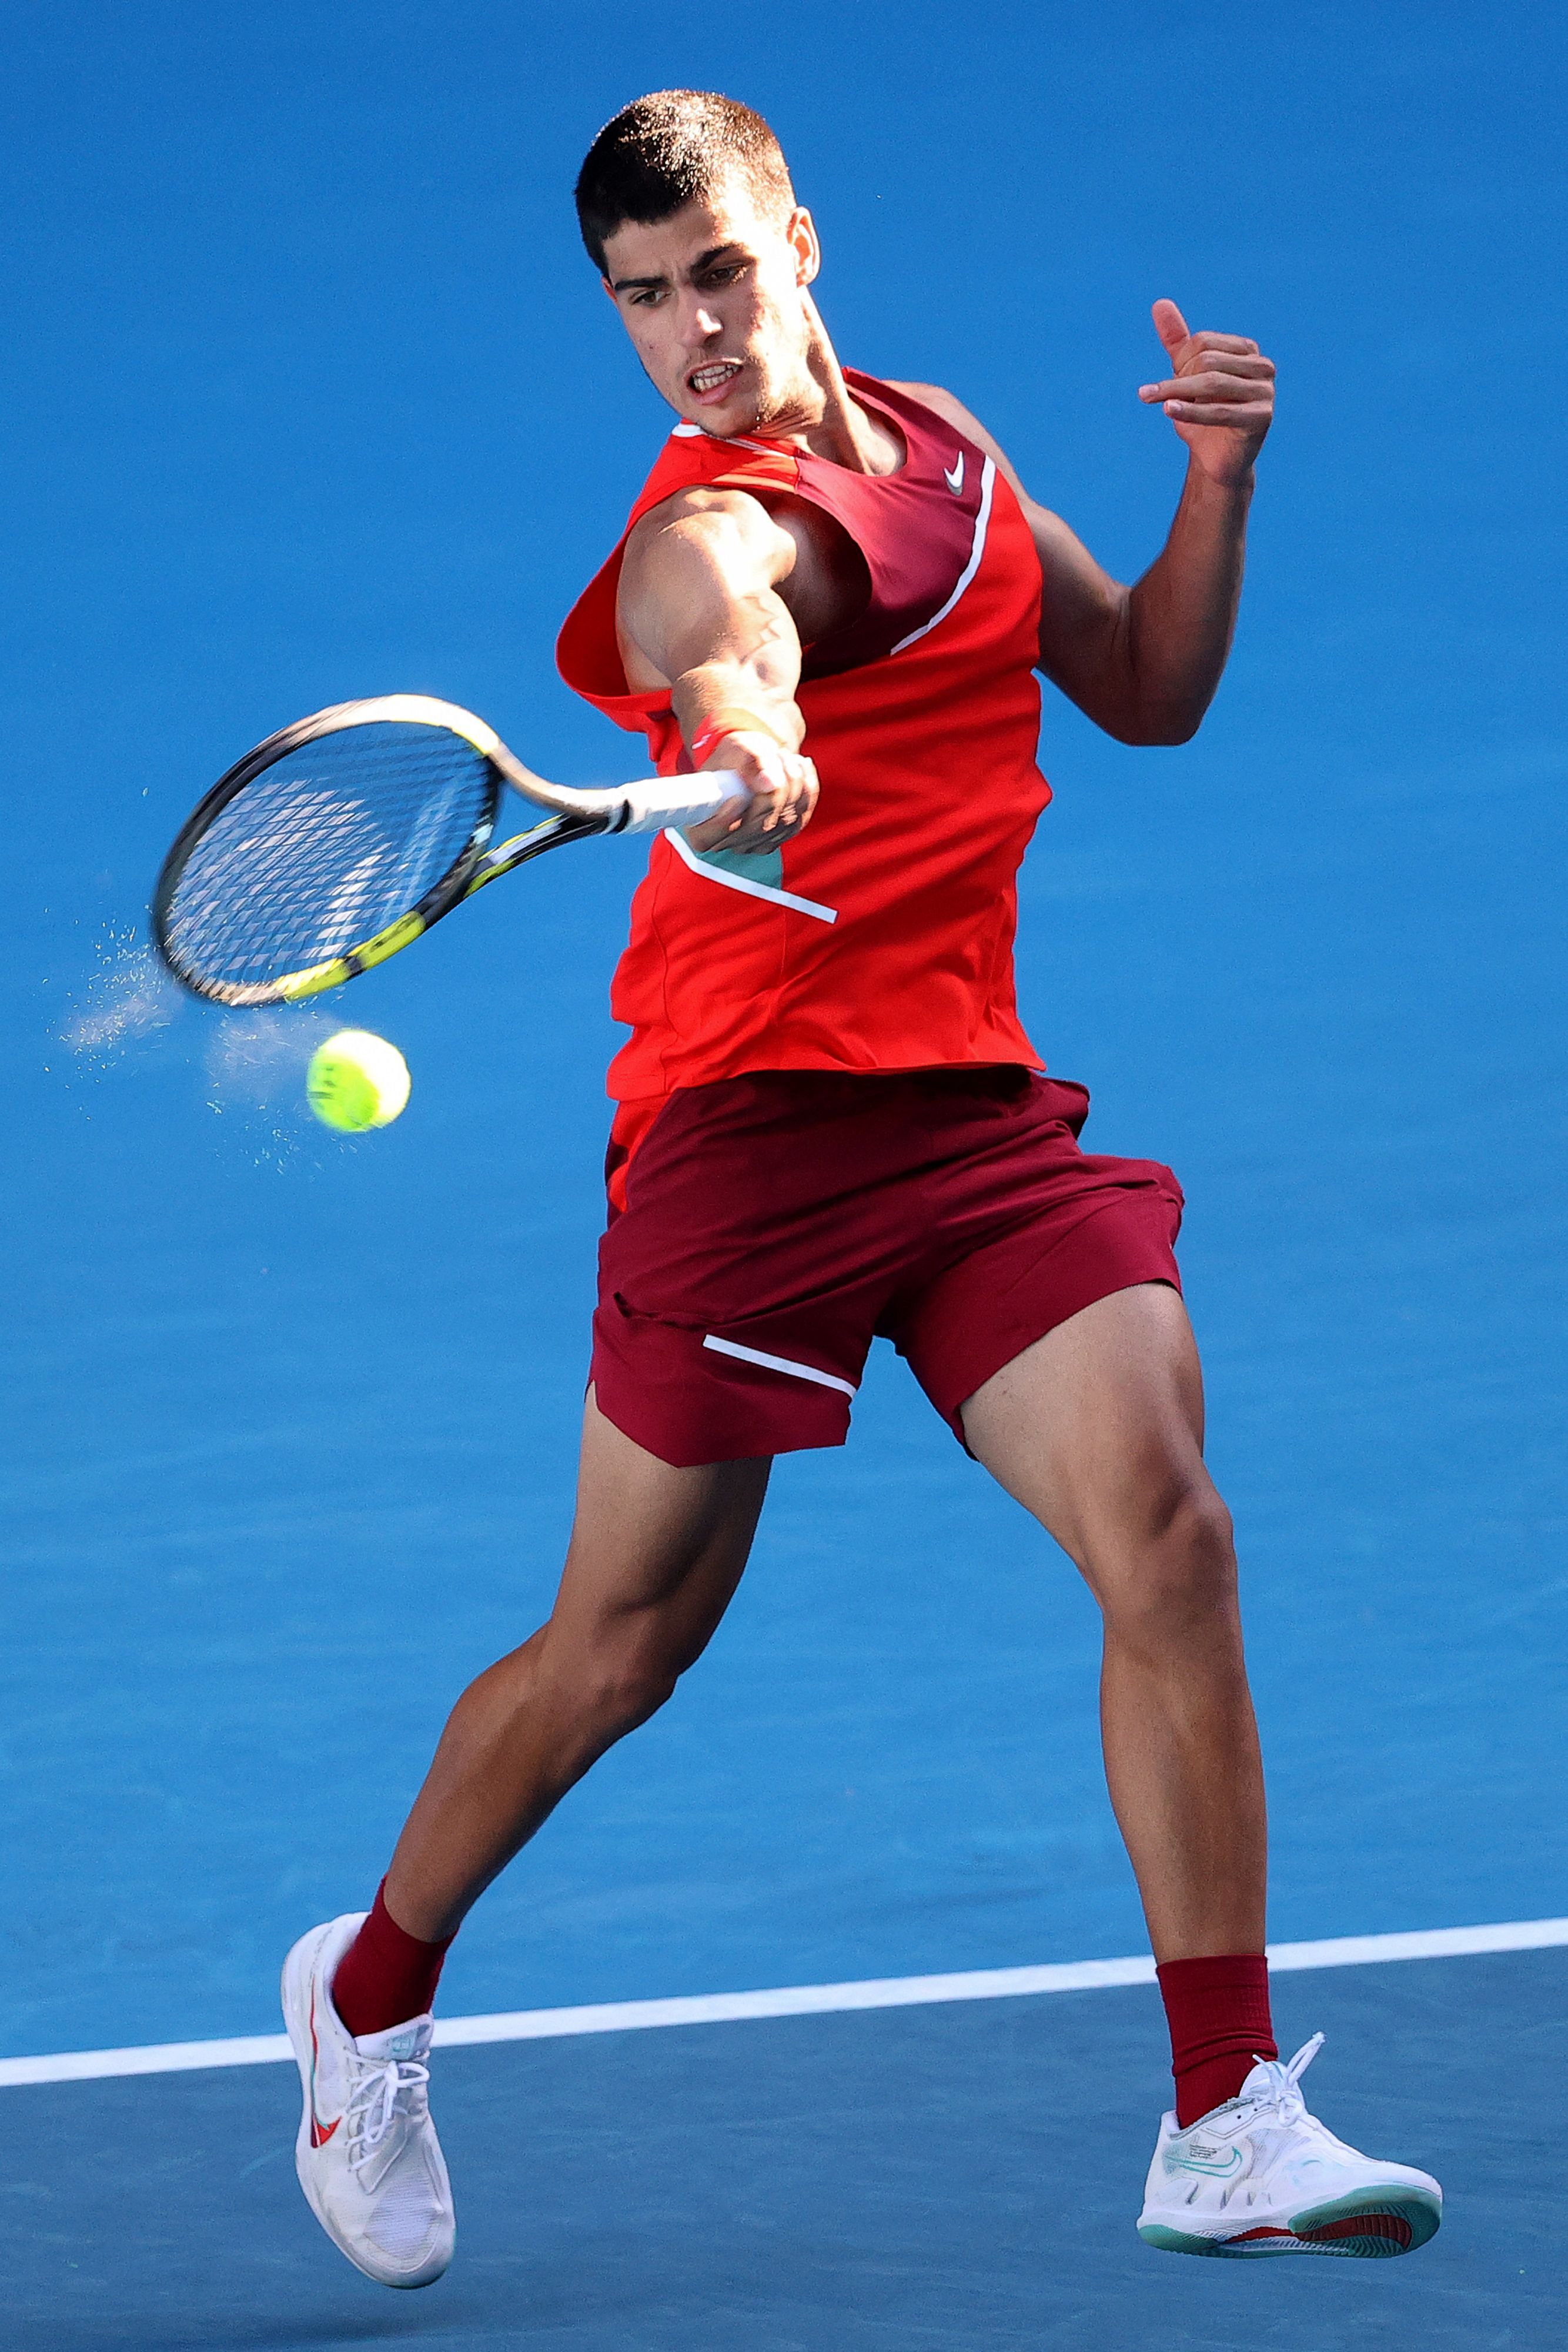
1144	662
711	588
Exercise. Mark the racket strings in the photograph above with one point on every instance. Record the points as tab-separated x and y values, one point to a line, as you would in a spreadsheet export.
325	848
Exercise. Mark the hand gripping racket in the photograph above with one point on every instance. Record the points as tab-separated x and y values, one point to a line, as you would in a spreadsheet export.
342	839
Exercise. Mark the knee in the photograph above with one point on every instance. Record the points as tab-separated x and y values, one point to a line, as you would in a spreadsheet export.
621	1683
1174	1571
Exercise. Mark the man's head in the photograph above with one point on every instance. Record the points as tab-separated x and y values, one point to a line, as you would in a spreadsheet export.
687	208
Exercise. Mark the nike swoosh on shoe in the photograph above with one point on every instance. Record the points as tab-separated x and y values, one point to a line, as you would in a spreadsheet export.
1212	2172
320	2133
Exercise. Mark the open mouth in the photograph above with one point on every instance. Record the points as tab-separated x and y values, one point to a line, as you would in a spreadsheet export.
713	377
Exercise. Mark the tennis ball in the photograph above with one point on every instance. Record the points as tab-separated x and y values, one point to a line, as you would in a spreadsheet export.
357	1080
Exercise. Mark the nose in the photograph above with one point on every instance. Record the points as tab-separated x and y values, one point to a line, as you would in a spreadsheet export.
700	324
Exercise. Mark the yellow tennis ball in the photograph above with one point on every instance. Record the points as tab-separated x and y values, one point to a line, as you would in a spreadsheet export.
357	1080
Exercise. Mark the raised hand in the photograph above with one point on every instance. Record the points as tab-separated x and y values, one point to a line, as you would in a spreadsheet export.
1219	395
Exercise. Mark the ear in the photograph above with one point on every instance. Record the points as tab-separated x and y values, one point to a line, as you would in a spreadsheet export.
801	232
608	288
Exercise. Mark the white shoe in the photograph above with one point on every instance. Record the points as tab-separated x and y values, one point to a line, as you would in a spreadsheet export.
367	2155
1261	2176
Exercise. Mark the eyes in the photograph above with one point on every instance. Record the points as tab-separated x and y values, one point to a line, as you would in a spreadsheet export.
711	281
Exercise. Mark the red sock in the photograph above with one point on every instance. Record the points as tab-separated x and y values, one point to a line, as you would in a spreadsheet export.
1218	2010
386	1976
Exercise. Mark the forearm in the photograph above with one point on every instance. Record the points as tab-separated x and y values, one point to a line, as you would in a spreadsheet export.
757	671
1181	615
737	711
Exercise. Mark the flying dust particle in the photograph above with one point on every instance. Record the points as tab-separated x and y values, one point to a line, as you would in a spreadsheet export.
255	1080
125	997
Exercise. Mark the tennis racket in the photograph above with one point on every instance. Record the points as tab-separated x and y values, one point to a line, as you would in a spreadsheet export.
341	840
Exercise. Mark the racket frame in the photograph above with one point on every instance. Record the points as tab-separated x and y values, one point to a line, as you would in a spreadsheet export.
574	815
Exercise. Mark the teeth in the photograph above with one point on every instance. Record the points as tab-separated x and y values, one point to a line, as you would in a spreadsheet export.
706	379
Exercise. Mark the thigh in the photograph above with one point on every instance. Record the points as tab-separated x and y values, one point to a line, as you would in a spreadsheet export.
656	1551
1097	1428
738	1287
1027	1231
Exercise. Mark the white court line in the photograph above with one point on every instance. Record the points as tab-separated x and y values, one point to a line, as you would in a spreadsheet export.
793	2000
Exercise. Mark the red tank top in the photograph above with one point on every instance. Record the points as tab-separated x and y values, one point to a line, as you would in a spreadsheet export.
881	938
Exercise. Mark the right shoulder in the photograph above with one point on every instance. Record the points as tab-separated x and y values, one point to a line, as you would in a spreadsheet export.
702	512
690	464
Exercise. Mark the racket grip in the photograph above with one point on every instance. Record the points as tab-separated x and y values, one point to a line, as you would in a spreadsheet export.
661	801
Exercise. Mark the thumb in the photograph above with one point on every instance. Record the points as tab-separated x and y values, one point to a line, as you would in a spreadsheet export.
1169	324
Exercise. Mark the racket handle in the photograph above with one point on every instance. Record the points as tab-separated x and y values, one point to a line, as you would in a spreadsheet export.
660	800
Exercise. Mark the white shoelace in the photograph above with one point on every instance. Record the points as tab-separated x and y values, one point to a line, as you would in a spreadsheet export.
379	2098
1281	2095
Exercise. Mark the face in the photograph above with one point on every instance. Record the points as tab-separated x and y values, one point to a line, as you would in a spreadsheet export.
714	302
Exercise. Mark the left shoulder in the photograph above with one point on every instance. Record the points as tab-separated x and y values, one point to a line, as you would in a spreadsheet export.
953	412
943	404
1079	596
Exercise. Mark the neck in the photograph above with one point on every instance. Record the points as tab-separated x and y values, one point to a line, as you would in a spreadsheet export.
822	416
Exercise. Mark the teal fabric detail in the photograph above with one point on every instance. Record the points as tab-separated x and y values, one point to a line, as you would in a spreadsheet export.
765	867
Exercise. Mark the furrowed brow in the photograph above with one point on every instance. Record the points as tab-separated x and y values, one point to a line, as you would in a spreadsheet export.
704	262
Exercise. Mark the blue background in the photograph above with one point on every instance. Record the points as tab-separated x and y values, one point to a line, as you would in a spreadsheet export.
310	394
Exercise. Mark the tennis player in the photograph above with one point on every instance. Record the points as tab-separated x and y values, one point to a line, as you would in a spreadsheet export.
832	1125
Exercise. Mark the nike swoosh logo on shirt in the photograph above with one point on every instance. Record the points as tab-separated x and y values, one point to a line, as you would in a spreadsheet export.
320	2133
954	475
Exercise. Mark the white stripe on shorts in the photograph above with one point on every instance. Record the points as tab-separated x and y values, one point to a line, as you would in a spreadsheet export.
777	1364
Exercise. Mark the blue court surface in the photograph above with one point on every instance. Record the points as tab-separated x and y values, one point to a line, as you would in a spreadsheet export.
312	396
942	2178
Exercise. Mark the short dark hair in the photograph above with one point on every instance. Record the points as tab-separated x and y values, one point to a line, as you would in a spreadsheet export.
669	150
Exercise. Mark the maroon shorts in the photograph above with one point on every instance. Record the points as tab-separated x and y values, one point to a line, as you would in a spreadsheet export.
776	1224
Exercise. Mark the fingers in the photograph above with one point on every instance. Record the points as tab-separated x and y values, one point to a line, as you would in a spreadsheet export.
1222	384
1207	339
1174	333
1242	380
780	810
783	786
1189	352
1220	380
1256	414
